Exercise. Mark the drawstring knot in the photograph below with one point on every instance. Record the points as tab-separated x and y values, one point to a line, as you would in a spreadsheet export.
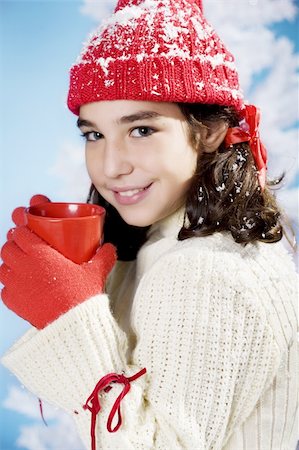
94	406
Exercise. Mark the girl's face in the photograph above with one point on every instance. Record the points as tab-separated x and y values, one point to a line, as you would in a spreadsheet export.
138	157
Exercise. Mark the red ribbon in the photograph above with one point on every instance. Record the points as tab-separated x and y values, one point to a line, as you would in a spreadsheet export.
236	135
93	402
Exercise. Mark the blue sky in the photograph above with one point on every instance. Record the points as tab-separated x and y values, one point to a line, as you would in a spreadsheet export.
41	151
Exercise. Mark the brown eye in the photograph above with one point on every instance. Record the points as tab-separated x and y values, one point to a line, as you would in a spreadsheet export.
92	136
142	132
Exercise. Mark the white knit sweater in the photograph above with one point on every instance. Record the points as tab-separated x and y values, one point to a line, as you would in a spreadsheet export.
214	324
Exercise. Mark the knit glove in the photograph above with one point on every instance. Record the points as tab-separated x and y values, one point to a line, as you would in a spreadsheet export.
40	284
18	214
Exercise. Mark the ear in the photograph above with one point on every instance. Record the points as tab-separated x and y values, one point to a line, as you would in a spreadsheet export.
212	134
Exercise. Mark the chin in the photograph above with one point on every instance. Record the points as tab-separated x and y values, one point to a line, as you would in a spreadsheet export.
138	220
138	223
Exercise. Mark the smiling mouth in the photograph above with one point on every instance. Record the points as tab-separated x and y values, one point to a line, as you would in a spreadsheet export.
132	192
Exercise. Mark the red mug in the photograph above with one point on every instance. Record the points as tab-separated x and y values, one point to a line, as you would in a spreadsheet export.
74	229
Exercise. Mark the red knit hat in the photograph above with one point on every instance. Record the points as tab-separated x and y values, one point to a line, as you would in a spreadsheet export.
155	50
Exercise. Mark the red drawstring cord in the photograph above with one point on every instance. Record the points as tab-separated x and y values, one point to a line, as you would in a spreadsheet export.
42	411
93	402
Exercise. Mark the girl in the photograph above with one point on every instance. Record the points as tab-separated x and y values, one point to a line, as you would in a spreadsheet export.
190	343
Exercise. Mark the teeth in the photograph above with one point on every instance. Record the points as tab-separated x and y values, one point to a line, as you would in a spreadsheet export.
130	193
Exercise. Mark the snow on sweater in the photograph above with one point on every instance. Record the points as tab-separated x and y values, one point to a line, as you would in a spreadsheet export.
214	324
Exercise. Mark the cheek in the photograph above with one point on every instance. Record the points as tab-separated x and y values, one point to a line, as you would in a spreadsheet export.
184	164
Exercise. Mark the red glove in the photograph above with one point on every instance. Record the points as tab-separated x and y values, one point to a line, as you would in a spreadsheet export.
18	214
40	284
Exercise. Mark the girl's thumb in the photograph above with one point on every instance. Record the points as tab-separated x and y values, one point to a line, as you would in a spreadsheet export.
104	259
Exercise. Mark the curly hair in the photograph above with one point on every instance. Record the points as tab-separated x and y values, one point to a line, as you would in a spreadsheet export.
224	194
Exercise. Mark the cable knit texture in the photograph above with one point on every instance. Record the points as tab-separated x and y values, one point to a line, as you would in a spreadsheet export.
213	323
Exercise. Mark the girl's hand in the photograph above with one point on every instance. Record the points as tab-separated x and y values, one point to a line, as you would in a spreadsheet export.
18	214
40	284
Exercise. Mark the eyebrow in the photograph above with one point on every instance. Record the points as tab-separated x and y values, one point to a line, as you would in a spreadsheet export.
140	115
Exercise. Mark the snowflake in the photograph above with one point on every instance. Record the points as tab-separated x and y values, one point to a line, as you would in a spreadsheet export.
220	188
238	186
200	194
109	83
248	225
240	157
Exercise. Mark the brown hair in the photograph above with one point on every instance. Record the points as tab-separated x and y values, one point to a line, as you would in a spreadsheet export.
224	194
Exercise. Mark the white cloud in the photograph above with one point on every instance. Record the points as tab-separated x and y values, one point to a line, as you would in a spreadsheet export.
289	198
60	434
97	9
267	66
276	97
281	84
247	13
23	402
70	170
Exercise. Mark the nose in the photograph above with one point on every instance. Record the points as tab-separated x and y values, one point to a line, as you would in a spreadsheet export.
116	160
